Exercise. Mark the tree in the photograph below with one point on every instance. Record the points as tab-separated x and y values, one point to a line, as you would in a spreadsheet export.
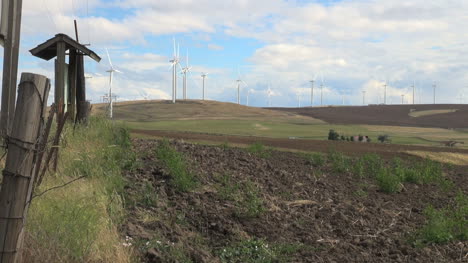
384	138
333	135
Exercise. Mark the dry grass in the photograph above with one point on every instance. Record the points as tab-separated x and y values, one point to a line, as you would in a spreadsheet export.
443	157
423	113
156	110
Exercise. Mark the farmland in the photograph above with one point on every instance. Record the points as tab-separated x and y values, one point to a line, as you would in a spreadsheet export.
199	203
231	119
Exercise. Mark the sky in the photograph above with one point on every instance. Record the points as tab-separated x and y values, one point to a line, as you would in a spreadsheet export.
346	47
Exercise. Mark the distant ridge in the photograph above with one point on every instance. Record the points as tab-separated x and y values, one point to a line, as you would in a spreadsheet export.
395	115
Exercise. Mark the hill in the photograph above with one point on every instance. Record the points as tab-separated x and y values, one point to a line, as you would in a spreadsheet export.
158	110
448	116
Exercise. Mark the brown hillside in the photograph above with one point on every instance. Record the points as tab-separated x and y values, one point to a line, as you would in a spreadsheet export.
395	115
157	110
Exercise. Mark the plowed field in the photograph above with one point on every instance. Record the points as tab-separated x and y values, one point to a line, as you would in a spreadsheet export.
310	213
395	115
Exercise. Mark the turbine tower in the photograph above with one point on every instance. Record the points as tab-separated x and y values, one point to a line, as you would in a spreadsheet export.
402	98
203	75
184	72
174	64
363	97
434	88
238	91
385	93
414	93
269	96
111	73
321	94
312	93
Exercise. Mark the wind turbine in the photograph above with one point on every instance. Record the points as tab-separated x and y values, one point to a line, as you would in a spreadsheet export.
184	72
299	98
248	93
269	93
434	86
111	73
174	63
414	92
385	93
363	97
239	81
203	75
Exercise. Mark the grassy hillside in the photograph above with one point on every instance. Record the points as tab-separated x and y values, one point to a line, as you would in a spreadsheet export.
232	119
149	111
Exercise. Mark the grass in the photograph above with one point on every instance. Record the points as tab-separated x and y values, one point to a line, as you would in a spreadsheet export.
315	159
78	223
390	177
181	178
259	150
423	113
244	194
443	157
306	130
446	224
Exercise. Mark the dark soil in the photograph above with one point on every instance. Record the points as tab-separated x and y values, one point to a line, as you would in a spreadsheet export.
396	115
335	217
349	148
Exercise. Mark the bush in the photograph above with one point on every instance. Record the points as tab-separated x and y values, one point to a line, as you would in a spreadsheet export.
384	138
333	135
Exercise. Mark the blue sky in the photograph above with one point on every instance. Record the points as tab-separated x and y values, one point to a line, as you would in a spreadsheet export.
351	45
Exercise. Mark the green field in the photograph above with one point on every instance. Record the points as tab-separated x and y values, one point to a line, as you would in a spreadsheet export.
232	119
399	135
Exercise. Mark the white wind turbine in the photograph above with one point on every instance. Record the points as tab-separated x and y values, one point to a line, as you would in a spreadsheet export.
269	93
111	73
239	81
184	72
203	75
174	63
248	93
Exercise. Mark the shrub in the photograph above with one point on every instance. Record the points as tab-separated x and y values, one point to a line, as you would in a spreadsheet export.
333	135
175	163
384	138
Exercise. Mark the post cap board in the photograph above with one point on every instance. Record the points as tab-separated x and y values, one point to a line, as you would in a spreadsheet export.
48	49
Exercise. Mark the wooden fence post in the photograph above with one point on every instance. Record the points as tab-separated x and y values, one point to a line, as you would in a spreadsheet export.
18	175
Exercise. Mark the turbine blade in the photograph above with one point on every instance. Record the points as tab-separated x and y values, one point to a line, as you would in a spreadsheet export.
118	71
244	83
108	57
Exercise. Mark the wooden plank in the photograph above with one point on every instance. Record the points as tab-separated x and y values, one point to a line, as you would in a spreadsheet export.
60	78
18	175
10	66
72	82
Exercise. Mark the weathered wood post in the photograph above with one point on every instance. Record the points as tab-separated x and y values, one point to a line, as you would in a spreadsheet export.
11	24
18	175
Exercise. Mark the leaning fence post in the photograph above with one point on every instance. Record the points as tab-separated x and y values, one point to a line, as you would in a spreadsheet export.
18	175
